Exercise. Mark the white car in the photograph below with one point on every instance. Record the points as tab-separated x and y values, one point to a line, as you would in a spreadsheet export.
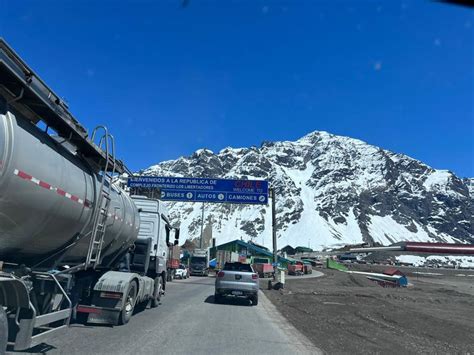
181	272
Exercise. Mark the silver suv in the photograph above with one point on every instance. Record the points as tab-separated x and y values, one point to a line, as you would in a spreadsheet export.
237	279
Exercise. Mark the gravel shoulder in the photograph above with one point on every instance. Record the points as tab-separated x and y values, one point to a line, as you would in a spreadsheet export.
346	313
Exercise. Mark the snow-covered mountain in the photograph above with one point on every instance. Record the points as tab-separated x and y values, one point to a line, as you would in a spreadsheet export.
331	190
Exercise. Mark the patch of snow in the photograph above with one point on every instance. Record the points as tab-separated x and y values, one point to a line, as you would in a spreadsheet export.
460	261
438	179
386	231
204	150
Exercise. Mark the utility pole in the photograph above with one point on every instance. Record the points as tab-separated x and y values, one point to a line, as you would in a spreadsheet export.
202	226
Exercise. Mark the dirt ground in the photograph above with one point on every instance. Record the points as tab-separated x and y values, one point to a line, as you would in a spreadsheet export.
347	313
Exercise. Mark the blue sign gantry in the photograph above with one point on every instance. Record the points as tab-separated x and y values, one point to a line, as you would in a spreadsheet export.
205	189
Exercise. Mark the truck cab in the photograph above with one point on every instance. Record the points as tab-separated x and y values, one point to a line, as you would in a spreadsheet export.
154	224
199	263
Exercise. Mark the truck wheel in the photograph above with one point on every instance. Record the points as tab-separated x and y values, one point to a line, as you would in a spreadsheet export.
129	304
163	281
3	331
157	292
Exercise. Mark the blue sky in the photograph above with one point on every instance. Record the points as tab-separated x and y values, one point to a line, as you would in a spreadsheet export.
168	80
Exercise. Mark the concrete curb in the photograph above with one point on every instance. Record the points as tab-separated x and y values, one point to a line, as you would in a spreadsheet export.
307	276
301	343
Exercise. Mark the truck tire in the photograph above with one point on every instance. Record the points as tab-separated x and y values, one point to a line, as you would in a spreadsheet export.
164	277
3	331
129	304
157	292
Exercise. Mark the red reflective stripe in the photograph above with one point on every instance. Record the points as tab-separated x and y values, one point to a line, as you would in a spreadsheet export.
86	309
45	185
61	192
24	175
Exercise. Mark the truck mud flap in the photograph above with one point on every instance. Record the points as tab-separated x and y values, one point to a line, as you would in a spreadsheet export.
98	315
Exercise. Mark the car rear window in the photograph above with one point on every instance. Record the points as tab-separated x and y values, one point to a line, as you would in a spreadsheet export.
238	267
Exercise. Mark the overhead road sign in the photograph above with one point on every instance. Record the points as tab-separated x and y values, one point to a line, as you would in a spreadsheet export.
205	189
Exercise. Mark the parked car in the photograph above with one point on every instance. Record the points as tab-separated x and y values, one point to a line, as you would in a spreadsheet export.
181	272
238	280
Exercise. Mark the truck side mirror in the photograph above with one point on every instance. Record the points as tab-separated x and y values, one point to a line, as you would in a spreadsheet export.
176	236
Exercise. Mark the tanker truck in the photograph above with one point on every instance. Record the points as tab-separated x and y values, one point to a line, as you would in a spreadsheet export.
71	242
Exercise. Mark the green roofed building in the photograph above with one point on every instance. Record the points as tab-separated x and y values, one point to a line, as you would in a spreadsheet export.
303	250
248	250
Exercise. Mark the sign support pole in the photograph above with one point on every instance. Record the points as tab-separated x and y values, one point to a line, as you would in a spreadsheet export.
202	226
274	235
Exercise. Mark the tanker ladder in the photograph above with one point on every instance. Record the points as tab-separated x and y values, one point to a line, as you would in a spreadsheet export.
99	220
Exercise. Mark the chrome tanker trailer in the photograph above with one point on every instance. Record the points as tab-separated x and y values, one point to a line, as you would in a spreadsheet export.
69	245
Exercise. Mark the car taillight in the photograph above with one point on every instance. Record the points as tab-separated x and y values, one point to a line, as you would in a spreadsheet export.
254	276
220	274
115	295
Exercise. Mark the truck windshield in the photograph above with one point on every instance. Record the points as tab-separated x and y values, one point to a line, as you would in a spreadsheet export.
198	260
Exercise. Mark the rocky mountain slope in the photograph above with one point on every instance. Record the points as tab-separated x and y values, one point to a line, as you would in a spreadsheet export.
331	190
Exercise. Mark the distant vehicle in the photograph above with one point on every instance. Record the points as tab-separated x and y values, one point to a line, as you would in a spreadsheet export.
173	259
296	268
199	263
238	280
225	256
348	257
262	266
307	267
181	272
314	263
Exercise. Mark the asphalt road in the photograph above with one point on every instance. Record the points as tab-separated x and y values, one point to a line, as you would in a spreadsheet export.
189	322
